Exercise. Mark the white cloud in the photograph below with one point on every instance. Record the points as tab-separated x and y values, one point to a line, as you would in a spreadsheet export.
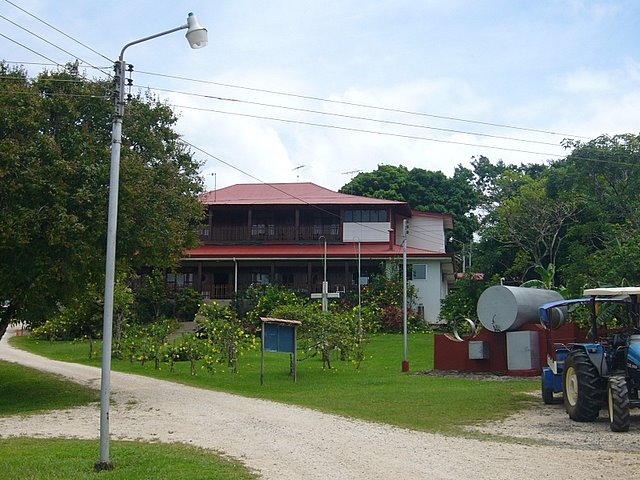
586	81
571	66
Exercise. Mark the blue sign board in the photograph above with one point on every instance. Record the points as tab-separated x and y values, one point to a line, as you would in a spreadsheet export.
279	338
279	335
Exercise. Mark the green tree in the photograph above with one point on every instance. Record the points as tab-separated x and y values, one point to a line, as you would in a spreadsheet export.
425	191
462	302
54	170
535	222
603	246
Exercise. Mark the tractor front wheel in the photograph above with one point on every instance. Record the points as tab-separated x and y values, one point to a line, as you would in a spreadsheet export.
619	418
582	387
547	393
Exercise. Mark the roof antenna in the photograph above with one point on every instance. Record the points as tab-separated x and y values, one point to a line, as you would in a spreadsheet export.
351	173
297	170
215	186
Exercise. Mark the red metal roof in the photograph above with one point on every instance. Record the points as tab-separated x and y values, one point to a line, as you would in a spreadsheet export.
303	193
376	250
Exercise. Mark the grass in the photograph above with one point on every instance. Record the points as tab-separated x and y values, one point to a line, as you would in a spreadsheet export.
53	459
26	391
376	391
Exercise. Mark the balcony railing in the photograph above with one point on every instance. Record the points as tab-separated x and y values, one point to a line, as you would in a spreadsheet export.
223	291
270	233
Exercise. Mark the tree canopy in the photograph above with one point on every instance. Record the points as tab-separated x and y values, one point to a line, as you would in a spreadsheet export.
578	217
55	135
424	190
579	214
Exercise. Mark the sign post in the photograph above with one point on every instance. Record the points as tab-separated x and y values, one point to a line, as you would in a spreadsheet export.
280	336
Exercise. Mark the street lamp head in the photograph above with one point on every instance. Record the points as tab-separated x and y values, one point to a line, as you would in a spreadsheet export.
196	33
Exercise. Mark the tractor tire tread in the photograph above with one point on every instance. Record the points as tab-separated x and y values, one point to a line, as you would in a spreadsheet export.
619	416
590	388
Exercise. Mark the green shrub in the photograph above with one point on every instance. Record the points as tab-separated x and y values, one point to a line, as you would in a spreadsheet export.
145	342
260	300
223	336
186	303
324	332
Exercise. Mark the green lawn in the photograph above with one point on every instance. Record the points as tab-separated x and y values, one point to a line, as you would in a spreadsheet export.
377	391
26	391
59	459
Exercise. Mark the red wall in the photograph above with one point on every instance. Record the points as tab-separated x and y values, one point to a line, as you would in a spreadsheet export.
452	355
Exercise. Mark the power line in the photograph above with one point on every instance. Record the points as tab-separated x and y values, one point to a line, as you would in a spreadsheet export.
42	38
104	70
308	97
79	81
352	117
30	49
575	157
360	130
361	105
59	31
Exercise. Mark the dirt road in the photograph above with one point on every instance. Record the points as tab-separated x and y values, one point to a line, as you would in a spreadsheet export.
284	442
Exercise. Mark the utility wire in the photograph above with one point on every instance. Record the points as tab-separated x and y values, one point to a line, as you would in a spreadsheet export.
389	122
360	130
104	70
353	104
59	31
44	39
30	49
353	117
574	157
387	109
79	81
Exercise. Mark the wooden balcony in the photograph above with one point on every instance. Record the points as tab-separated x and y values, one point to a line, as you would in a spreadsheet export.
269	233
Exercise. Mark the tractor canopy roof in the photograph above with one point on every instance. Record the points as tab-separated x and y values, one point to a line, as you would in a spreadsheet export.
612	291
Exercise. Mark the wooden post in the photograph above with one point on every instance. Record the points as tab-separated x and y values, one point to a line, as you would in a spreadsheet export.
262	358
295	354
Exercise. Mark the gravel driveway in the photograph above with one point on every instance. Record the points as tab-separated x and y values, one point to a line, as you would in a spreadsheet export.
284	442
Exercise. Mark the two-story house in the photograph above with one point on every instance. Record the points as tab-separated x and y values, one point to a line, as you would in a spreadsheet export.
299	234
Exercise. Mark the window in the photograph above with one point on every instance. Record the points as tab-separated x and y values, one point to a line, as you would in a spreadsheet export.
180	280
260	278
366	216
419	271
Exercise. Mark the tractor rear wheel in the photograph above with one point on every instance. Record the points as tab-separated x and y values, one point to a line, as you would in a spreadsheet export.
582	387
619	418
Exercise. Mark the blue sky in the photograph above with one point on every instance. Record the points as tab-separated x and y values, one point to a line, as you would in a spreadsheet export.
446	74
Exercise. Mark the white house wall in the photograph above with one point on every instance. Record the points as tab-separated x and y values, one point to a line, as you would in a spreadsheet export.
426	233
429	290
366	232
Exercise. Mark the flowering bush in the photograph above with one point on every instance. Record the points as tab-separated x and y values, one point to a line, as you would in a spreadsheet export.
223	336
191	348
143	343
325	332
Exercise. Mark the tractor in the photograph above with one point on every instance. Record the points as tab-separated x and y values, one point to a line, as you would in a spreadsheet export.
603	373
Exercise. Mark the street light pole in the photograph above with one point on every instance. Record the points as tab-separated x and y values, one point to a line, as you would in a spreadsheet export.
359	288
197	37
405	357
325	284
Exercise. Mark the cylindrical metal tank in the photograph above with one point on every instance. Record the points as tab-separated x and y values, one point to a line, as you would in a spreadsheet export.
501	308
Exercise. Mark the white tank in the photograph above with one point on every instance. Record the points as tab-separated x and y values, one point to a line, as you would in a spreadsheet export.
501	308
